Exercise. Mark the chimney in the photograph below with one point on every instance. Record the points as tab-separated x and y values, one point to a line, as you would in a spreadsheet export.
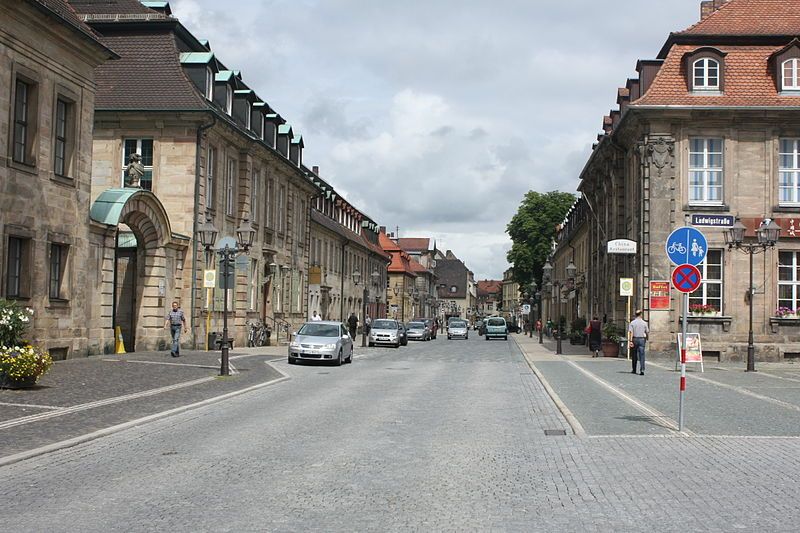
315	170
382	229
707	7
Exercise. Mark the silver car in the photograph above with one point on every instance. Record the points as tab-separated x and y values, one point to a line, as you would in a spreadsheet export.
322	341
418	331
458	328
385	331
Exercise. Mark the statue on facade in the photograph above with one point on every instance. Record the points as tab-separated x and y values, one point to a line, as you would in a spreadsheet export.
134	171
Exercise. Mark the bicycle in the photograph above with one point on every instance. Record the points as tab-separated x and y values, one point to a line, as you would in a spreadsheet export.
676	247
258	333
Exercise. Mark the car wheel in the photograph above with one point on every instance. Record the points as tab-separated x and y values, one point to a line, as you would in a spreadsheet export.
371	344
487	337
505	338
350	358
397	345
339	358
291	361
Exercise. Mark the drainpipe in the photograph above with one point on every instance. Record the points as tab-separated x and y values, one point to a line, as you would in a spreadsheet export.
341	291
195	224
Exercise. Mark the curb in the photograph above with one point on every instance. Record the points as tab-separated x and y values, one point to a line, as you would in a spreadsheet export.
573	422
61	445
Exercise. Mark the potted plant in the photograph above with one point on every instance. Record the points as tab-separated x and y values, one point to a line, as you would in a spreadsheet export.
702	309
577	334
611	337
21	363
786	312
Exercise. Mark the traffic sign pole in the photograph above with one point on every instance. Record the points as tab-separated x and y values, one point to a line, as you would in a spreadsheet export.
683	360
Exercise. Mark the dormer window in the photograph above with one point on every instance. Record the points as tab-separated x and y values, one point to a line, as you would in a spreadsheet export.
209	84
228	99
706	74
705	69
789	78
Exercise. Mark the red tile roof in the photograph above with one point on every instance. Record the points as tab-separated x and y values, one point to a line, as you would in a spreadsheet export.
751	17
401	262
489	286
414	244
748	80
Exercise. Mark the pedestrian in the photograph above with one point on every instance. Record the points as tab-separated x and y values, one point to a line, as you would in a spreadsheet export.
367	324
176	321
352	324
595	336
315	317
638	330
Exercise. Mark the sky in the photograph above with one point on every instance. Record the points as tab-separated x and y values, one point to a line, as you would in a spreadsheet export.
435	117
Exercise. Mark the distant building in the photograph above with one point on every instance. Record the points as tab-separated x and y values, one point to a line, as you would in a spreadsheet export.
490	297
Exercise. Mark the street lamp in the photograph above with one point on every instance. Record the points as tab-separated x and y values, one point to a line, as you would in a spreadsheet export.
766	235
396	290
244	240
357	279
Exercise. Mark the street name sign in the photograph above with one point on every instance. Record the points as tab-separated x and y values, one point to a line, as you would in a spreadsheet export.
713	221
686	246
686	278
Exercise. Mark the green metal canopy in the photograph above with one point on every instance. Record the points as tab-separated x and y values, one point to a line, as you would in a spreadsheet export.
108	206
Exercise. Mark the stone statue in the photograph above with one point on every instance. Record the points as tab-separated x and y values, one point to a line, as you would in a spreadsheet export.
134	171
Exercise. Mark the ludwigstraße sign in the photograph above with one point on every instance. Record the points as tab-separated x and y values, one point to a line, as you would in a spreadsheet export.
621	246
713	221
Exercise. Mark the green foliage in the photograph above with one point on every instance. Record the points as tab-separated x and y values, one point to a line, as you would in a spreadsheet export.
13	322
532	230
579	325
612	332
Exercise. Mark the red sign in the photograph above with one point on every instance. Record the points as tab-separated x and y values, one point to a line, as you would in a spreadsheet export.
686	278
659	295
790	227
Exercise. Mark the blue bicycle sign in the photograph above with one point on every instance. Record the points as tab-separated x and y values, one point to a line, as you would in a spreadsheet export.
686	246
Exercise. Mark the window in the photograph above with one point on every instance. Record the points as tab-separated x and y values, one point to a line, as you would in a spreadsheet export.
710	291
706	74
209	84
228	99
229	187
789	280
281	209
24	122
705	171
143	147
252	300
62	142
248	115
789	171
255	193
453	288
789	78
268	204
17	267
58	262
211	170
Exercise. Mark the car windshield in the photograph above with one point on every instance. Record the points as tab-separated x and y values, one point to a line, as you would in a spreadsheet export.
416	325
496	322
458	324
384	324
319	330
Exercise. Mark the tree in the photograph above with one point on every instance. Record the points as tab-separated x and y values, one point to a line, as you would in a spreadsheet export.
532	230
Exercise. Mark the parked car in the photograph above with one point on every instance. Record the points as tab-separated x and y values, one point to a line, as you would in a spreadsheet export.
496	328
322	341
430	323
386	331
458	329
418	331
403	335
482	327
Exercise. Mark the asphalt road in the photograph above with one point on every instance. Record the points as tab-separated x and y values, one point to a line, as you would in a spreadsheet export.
436	436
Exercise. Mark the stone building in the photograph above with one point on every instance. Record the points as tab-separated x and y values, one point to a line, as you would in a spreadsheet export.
345	258
210	147
709	127
402	293
420	251
47	93
489	297
568	295
457	292
512	299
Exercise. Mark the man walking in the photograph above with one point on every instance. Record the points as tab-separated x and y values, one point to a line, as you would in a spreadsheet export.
175	321
638	330
352	324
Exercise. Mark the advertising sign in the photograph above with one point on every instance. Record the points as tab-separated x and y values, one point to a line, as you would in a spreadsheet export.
621	246
694	351
626	286
659	295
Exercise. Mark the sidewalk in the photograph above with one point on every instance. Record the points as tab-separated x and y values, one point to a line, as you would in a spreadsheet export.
80	396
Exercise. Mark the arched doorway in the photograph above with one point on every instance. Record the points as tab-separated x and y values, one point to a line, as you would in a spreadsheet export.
145	257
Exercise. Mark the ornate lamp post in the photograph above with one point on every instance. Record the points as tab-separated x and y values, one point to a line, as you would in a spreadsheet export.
766	235
244	240
396	290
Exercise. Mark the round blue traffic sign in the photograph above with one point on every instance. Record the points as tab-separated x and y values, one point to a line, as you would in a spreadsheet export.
686	246
686	278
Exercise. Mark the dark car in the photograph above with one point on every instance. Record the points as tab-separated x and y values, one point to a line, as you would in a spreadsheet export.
403	334
430	323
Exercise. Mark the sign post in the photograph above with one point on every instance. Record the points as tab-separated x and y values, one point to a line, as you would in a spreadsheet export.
626	289
686	247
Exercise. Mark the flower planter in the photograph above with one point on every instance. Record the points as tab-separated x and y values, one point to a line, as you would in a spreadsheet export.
610	349
7	382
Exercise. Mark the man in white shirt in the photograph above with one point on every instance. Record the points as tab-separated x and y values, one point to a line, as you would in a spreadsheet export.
315	317
638	330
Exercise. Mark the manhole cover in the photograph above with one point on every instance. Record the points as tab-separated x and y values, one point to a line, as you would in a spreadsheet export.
555	432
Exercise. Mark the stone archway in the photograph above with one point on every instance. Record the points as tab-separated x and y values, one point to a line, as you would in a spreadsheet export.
145	257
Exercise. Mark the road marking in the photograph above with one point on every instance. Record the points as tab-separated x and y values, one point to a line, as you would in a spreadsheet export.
4	461
658	417
741	390
31	405
99	403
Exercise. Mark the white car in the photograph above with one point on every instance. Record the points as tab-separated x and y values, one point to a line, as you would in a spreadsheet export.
322	341
458	328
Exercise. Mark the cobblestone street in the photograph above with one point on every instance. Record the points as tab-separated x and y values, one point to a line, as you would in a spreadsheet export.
442	435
